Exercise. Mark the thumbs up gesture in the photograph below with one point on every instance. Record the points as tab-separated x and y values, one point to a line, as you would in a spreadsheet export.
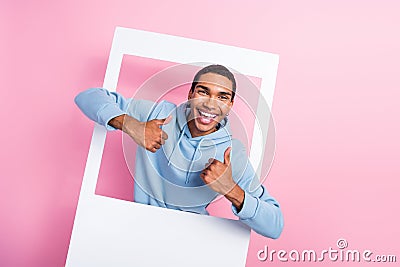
146	134
218	175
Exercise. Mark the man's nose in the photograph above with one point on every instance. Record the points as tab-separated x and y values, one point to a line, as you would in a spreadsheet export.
210	103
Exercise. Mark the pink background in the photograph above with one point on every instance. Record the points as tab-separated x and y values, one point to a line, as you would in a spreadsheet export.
337	164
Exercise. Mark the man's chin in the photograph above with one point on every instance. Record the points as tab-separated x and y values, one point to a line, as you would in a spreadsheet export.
205	127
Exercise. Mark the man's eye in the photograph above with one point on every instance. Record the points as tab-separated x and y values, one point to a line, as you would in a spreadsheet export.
202	92
224	98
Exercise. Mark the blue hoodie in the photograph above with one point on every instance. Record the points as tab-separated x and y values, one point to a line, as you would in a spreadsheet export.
170	177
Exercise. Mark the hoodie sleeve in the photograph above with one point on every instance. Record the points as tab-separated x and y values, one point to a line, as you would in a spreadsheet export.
101	105
260	211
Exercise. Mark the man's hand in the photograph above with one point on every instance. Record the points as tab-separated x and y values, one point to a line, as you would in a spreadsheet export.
146	134
218	176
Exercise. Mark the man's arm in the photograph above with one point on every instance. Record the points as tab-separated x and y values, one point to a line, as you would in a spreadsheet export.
262	213
117	122
256	208
101	105
110	109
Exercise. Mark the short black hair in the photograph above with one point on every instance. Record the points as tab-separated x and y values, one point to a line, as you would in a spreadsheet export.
217	69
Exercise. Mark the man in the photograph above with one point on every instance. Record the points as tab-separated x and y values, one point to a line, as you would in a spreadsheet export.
186	155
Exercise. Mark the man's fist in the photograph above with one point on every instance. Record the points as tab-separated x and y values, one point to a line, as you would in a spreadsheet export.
146	134
218	175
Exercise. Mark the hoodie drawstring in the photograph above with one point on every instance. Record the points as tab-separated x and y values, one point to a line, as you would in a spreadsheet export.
195	152
177	144
192	161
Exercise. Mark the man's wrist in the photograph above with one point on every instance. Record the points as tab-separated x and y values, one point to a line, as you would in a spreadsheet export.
236	197
117	122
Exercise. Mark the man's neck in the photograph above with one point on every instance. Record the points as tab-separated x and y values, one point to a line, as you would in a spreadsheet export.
195	132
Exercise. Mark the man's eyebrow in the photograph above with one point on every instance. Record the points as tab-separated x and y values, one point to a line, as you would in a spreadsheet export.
225	93
203	87
208	89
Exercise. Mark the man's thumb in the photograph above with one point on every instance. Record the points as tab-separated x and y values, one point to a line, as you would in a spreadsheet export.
227	155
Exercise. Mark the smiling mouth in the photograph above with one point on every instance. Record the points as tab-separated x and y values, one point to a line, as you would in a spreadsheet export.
205	117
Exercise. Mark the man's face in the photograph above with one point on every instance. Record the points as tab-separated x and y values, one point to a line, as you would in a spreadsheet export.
210	101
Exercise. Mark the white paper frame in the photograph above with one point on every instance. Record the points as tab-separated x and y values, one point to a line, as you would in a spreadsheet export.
113	232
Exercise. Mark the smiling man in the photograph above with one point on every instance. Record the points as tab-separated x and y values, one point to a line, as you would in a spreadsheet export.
186	156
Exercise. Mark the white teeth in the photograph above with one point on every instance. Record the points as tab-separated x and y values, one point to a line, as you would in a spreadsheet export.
207	114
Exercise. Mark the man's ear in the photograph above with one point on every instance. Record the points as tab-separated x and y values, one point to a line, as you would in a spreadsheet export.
190	94
231	104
